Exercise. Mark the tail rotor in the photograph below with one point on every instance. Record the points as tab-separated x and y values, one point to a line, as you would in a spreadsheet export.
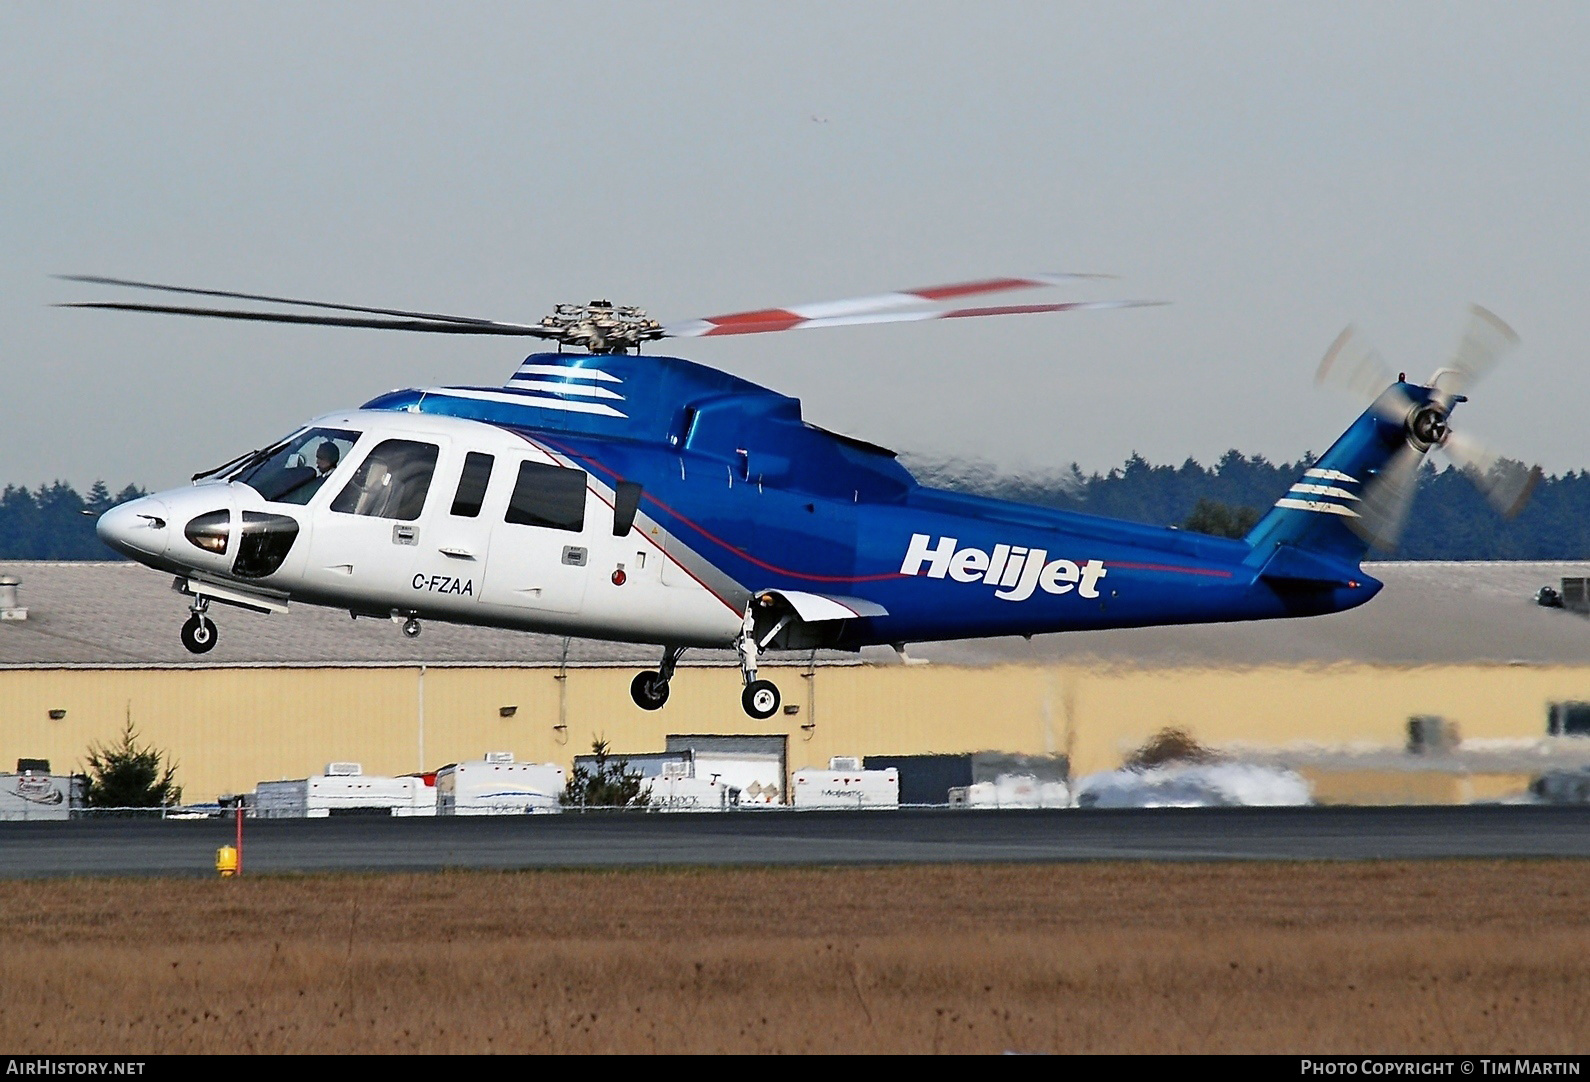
1353	365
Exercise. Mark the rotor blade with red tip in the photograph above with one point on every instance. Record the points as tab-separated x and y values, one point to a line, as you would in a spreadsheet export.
1384	509
1506	483
783	321
768	319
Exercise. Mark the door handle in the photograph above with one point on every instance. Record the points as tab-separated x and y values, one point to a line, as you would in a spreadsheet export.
456	553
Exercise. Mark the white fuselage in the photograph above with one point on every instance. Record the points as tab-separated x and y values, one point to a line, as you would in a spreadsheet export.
359	548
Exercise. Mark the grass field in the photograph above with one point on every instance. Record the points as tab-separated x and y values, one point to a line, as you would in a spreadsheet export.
1472	956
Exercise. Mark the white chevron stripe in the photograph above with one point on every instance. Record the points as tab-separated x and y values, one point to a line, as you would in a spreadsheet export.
1330	475
528	400
1323	490
581	389
567	372
1315	505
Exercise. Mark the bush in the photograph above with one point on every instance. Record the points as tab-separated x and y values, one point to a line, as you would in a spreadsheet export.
1169	745
608	783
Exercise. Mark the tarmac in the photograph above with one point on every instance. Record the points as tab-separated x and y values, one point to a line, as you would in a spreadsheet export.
613	840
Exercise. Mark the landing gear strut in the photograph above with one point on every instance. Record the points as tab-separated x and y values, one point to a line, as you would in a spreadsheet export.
650	689
760	697
199	634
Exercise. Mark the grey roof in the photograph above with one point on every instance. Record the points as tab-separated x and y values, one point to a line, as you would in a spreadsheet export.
98	614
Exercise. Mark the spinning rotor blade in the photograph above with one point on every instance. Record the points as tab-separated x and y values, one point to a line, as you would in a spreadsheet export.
1485	341
779	319
96	280
1384	509
1354	365
1506	483
433	326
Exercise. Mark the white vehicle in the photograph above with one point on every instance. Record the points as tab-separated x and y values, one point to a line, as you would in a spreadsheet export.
676	792
845	785
496	785
1013	791
343	788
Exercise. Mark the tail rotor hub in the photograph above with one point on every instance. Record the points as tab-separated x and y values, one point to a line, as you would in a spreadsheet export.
1427	426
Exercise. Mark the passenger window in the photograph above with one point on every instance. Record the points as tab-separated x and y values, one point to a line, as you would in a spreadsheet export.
548	496
472	485
626	501
391	482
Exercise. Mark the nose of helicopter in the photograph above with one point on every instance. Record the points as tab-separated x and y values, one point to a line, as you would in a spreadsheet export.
138	528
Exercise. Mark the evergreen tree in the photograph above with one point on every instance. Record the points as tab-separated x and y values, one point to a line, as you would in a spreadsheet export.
126	775
608	783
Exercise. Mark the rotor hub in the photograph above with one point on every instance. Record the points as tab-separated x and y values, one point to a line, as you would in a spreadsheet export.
602	327
1427	426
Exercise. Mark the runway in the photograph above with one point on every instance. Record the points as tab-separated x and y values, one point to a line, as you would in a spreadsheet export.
361	844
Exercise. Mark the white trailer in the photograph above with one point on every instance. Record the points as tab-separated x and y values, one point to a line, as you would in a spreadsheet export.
845	785
497	785
1013	791
678	792
38	794
344	788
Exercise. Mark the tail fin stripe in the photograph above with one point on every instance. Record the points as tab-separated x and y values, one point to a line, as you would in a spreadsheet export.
1323	490
1329	475
1316	505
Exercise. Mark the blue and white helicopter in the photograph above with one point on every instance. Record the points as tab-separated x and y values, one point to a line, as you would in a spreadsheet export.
606	493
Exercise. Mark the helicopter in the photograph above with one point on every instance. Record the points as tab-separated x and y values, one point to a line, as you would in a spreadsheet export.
609	493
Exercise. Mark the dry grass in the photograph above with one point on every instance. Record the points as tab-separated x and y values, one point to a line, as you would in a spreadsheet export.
1414	957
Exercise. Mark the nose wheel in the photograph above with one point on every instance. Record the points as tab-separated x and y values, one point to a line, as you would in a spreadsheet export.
760	699
199	634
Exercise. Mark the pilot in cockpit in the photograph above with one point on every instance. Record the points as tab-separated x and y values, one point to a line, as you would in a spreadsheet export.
326	458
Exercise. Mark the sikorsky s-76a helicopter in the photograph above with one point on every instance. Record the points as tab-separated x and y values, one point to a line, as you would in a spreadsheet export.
605	493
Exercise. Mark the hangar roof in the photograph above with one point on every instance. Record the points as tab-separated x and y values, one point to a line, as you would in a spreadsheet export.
86	614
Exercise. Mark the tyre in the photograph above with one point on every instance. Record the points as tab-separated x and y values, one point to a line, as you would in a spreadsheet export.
411	628
649	690
760	699
199	634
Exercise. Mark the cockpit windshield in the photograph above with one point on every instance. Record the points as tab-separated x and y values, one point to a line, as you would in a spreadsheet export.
293	470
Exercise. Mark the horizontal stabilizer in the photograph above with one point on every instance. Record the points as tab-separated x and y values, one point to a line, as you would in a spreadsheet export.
1290	564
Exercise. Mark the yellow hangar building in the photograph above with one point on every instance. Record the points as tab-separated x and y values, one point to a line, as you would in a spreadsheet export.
87	647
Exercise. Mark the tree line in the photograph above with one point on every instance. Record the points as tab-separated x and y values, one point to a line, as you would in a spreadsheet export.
1450	520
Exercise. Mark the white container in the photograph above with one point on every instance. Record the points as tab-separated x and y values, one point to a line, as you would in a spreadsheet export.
481	787
758	776
318	796
846	788
1013	791
684	794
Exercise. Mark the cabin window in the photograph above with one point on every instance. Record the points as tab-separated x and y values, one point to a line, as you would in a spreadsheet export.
472	485
548	496
626	501
294	470
391	482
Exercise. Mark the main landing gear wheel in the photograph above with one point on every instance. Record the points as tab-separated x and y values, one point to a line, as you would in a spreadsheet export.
760	699
199	634
411	628
649	690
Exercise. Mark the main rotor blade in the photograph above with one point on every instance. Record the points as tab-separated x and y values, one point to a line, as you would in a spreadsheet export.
884	302
1486	339
781	320
432	316
1384	508
1505	482
518	330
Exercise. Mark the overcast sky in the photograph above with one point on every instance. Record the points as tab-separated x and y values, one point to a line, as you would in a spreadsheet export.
1275	170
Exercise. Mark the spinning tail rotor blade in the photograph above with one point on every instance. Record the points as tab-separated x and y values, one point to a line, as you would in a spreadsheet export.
1506	483
1384	509
1353	365
1485	341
